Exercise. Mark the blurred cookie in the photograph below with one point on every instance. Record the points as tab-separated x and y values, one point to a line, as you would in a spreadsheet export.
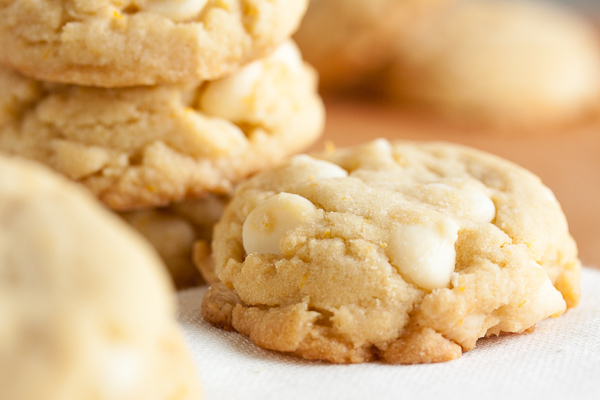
501	63
112	43
347	40
17	94
404	252
87	309
174	230
151	146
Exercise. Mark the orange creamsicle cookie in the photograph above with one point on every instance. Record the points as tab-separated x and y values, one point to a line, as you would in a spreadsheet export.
117	43
348	41
152	146
87	308
501	63
404	252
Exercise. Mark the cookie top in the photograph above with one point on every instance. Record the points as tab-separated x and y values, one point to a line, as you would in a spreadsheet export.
347	40
87	310
151	146
116	43
501	63
406	252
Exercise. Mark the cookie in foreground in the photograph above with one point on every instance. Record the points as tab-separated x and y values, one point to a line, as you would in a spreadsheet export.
111	43
404	252
152	146
87	309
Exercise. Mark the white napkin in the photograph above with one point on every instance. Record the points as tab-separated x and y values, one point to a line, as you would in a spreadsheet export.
560	360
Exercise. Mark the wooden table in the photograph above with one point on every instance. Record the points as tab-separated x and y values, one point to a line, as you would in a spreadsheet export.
567	160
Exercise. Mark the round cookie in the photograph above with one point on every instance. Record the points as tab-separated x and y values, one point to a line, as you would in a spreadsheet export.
406	252
87	309
151	146
117	43
347	40
501	63
175	232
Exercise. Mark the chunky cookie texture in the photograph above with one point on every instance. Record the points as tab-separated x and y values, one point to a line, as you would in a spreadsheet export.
117	43
151	146
403	252
87	308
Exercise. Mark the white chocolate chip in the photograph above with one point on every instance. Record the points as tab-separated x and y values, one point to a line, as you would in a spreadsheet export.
232	97
175	10
288	54
316	169
464	202
381	146
272	218
425	254
377	153
482	208
544	302
202	139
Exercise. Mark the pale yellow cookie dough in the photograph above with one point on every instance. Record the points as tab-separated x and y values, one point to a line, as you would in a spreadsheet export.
349	40
87	309
174	230
405	252
148	147
501	63
117	43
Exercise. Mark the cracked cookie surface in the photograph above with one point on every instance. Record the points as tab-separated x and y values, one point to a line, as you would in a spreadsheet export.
404	252
151	146
117	43
87	308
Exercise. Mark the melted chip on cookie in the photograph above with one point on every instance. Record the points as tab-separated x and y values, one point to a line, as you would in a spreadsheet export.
404	252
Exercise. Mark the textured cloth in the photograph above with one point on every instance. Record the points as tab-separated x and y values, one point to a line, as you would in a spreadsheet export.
560	360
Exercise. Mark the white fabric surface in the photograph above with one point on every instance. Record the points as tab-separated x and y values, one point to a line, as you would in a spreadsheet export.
560	360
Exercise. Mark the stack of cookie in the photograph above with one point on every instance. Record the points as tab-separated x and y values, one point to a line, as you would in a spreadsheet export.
156	106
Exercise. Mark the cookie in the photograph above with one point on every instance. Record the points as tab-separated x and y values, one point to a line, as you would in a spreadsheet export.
87	309
503	63
173	232
152	146
406	252
348	40
111	43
